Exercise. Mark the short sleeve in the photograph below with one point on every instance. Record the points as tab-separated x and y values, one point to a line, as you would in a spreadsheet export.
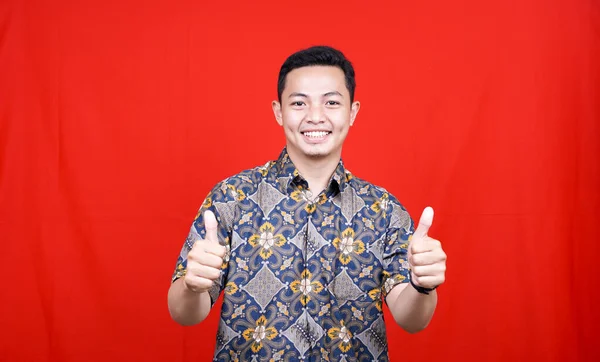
220	202
395	255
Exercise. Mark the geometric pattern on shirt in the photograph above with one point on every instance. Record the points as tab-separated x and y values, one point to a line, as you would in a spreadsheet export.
305	332
304	277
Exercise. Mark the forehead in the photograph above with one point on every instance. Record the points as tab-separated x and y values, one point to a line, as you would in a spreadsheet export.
315	79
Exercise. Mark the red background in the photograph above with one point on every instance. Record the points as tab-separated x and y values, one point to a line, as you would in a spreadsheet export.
117	117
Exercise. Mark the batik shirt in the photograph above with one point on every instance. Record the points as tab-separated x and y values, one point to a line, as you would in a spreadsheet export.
304	277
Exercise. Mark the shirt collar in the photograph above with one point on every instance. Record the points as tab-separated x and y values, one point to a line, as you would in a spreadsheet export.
286	173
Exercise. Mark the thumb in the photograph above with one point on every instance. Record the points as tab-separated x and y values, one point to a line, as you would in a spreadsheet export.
424	223
210	225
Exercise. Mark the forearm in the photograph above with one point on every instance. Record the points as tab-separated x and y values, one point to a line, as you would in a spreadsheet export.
412	310
187	307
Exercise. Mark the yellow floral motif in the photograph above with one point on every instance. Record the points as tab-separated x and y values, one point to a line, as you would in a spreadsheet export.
347	245
365	270
375	294
343	334
381	204
181	271
306	286
234	356
368	223
287	217
277	356
242	264
238	311
247	217
357	313
282	308
266	240
259	333
324	309
286	263
205	205
322	199
327	221
238	194
391	282
326	263
310	208
231	288
296	195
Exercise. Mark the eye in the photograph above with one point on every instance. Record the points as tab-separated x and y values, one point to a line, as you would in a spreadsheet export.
333	103
297	104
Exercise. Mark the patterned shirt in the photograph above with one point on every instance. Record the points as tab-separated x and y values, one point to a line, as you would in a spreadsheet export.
304	278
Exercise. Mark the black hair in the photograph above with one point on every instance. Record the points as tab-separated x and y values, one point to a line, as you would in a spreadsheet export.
317	55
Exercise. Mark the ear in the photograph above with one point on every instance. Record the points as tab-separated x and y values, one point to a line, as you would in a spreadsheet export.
354	112
277	112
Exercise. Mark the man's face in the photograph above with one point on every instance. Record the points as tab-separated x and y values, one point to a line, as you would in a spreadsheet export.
315	112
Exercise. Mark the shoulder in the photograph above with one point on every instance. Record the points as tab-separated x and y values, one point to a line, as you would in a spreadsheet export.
369	191
237	186
380	201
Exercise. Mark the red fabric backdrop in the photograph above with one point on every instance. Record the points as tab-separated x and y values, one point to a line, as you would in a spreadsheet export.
117	117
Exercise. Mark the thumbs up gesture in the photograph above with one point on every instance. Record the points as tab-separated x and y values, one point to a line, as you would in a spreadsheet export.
426	258
205	259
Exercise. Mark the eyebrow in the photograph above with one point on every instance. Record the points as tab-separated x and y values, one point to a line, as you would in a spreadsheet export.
328	94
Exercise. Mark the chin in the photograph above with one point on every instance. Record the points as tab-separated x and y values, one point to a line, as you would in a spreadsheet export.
318	154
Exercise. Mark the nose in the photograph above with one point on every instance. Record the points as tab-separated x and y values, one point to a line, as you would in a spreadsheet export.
316	114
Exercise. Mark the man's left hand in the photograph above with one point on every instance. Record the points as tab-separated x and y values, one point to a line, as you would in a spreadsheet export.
426	257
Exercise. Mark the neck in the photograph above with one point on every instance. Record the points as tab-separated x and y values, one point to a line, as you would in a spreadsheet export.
316	171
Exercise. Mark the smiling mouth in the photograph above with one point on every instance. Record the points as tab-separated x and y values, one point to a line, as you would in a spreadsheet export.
316	134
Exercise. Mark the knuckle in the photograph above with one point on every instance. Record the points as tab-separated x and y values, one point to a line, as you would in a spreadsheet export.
192	269
211	273
221	251
416	260
417	271
411	259
196	254
206	283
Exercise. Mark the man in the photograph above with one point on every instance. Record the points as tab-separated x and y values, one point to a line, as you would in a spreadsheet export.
303	251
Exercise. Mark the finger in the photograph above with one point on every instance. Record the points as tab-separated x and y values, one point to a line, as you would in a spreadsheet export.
215	249
197	284
424	245
210	225
428	258
206	258
429	270
204	271
429	281
424	223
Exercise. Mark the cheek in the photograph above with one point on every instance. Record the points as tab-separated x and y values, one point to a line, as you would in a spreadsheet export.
293	118
342	122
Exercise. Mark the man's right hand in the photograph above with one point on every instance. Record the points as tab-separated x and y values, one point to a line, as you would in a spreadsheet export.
205	260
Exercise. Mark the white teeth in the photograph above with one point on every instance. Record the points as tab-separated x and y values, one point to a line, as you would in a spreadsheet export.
316	134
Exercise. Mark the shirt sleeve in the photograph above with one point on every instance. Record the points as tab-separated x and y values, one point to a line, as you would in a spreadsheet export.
395	255
222	204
